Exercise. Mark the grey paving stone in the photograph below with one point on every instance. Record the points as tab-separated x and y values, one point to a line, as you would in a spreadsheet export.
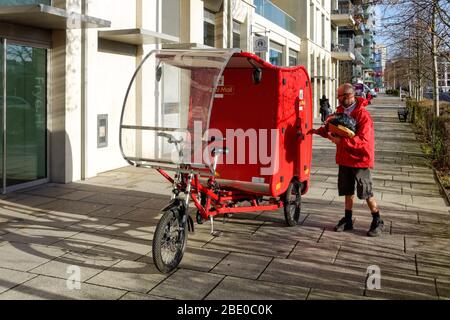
82	241
155	203
112	211
187	285
404	287
143	215
242	265
316	275
297	233
24	200
419	201
77	207
435	265
76	195
365	255
432	245
114	199
443	289
47	191
232	288
131	276
35	234
47	288
123	248
265	246
317	294
129	229
141	296
12	278
89	265
23	257
92	224
315	252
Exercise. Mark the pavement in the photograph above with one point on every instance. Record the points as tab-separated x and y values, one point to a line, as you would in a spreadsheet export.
100	232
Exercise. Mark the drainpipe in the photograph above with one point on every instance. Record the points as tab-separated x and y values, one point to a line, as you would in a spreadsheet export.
4	117
84	81
230	24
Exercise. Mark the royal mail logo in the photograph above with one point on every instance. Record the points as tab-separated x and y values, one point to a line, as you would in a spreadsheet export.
227	90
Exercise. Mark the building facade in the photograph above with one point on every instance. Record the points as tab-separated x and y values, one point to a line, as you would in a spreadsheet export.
363	67
65	68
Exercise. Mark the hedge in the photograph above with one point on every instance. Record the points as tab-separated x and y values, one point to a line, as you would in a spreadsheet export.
435	130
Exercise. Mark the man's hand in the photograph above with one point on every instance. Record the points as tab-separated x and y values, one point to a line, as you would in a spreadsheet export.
313	131
335	140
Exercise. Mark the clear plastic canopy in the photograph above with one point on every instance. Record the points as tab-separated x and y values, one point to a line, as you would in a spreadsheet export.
167	107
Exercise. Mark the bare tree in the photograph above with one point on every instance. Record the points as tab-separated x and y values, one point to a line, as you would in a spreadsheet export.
418	30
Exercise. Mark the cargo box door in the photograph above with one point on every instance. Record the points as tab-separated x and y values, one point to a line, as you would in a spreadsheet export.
305	123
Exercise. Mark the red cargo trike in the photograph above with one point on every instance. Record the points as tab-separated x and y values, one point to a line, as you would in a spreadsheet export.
232	127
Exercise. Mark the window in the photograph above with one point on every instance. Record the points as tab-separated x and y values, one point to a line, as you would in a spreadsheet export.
236	34
293	57
209	28
276	54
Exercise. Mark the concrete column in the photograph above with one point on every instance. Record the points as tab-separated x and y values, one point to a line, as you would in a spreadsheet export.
65	102
191	24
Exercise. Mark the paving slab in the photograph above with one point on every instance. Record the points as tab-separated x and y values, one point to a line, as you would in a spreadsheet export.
404	287
82	242
24	257
317	294
89	265
129	275
36	234
47	288
315	252
123	248
187	285
112	211
141	296
232	288
316	275
11	278
114	199
242	265
76	207
242	243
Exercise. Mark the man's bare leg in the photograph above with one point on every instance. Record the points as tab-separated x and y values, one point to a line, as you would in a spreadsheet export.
349	200
377	226
372	205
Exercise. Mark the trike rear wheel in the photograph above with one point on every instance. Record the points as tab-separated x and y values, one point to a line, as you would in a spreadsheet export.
293	203
169	241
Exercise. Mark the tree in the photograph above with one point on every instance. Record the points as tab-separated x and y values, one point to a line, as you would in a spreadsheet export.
418	30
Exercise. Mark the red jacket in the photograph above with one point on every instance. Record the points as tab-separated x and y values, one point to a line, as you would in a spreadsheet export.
359	151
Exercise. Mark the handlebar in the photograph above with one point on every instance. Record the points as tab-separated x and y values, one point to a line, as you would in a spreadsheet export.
170	138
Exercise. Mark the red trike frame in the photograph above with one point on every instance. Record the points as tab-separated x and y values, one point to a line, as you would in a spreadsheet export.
216	202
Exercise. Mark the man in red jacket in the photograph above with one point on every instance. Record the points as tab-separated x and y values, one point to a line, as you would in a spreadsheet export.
355	157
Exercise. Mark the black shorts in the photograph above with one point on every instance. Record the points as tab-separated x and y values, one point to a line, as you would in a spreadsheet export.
347	178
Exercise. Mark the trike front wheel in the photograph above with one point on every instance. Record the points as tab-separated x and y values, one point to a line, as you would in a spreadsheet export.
169	242
293	203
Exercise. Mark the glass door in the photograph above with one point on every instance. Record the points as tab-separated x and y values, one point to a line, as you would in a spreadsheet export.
24	120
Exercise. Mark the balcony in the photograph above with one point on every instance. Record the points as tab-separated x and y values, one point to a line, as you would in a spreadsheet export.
359	58
274	14
40	14
343	16
359	42
343	51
